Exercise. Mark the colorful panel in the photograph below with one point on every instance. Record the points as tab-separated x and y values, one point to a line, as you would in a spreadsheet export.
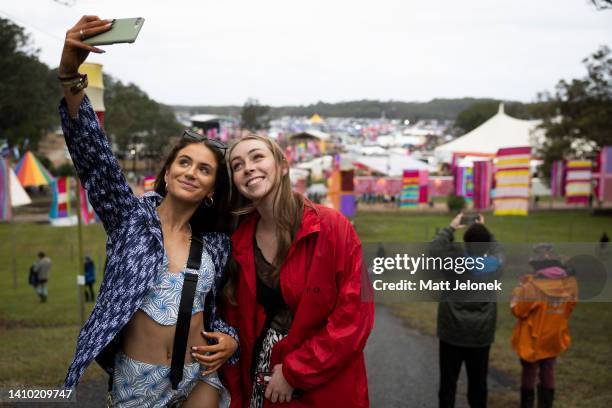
578	179
512	181
409	197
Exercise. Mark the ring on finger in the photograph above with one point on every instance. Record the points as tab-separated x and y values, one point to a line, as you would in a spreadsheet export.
82	34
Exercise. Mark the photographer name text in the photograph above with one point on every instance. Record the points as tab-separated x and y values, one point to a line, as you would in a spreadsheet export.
432	285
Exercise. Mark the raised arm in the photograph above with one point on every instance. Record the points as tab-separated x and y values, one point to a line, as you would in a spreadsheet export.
75	53
91	154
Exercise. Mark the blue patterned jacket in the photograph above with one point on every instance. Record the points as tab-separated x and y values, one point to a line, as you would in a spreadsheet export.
134	244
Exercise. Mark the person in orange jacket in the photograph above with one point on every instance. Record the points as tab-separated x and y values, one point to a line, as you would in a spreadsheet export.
542	303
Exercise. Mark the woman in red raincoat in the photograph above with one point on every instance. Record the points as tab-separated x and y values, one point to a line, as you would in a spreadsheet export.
298	296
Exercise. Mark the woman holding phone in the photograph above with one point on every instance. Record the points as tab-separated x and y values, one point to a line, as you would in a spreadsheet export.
131	329
296	295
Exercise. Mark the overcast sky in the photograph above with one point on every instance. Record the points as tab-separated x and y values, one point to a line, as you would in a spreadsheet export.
299	52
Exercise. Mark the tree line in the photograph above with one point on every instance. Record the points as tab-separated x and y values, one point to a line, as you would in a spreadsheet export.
576	117
30	95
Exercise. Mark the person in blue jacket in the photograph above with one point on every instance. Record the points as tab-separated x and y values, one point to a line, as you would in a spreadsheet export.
90	278
131	329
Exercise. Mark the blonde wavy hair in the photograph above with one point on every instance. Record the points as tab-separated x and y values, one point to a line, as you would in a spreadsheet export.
287	206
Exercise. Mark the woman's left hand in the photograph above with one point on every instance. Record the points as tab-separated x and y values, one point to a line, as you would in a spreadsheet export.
278	389
213	356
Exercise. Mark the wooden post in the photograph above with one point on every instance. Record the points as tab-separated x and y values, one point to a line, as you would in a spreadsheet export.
80	277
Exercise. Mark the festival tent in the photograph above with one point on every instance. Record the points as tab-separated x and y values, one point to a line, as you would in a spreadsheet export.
309	134
18	195
11	192
316	119
391	164
500	131
31	172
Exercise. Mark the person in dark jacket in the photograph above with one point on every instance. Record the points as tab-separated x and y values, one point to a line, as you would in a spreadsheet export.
42	269
466	327
90	278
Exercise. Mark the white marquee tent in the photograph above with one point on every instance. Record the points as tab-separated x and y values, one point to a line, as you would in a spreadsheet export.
392	164
498	132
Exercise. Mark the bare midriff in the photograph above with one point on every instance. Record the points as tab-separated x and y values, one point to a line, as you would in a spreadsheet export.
147	341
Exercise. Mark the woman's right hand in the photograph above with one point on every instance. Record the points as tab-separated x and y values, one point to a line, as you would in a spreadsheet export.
75	51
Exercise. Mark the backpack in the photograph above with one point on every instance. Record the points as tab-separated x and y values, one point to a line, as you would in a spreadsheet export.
33	277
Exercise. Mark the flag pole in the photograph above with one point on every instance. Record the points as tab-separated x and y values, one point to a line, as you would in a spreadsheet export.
80	277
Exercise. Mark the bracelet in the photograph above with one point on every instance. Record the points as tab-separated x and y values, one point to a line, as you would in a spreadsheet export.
77	84
68	78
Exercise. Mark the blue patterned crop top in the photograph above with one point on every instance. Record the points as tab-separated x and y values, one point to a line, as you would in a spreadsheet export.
162	300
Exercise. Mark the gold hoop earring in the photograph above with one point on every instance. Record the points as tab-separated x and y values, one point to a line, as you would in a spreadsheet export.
208	201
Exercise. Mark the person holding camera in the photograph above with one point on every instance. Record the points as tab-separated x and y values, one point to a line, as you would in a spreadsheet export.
466	322
158	245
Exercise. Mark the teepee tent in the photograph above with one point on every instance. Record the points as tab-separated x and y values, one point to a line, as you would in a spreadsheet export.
500	131
316	119
18	195
31	173
11	192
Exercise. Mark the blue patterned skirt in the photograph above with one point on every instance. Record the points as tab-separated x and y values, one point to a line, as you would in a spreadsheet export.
144	385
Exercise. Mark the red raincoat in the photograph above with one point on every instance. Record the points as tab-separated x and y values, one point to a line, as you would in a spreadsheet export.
323	283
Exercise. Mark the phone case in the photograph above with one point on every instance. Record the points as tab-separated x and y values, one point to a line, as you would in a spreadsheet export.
124	30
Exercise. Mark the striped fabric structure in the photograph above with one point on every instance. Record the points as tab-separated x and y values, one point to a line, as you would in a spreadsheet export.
348	202
88	215
334	183
60	208
5	191
464	183
95	88
148	184
578	177
341	189
604	191
483	172
409	197
423	186
31	173
557	183
512	181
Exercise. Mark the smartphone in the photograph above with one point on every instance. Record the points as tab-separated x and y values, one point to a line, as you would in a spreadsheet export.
124	30
469	219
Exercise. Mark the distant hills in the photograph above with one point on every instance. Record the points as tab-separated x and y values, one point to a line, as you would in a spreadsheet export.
434	109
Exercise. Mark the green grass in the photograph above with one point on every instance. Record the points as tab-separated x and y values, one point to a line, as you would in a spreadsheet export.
584	372
37	340
557	226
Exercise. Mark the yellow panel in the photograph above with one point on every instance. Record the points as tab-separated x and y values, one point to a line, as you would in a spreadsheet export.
94	74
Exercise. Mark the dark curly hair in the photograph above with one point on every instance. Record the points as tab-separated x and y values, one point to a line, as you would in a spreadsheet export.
213	218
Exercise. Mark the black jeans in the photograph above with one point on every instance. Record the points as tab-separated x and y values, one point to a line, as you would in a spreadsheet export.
476	364
89	293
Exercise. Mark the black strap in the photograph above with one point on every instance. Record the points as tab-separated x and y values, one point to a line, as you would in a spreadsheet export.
183	320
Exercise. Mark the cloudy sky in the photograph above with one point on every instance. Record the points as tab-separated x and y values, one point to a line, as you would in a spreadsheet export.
299	52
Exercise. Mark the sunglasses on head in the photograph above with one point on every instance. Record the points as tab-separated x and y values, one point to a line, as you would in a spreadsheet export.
191	135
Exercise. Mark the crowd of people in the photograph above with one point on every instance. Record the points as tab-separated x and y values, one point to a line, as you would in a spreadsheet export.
223	287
